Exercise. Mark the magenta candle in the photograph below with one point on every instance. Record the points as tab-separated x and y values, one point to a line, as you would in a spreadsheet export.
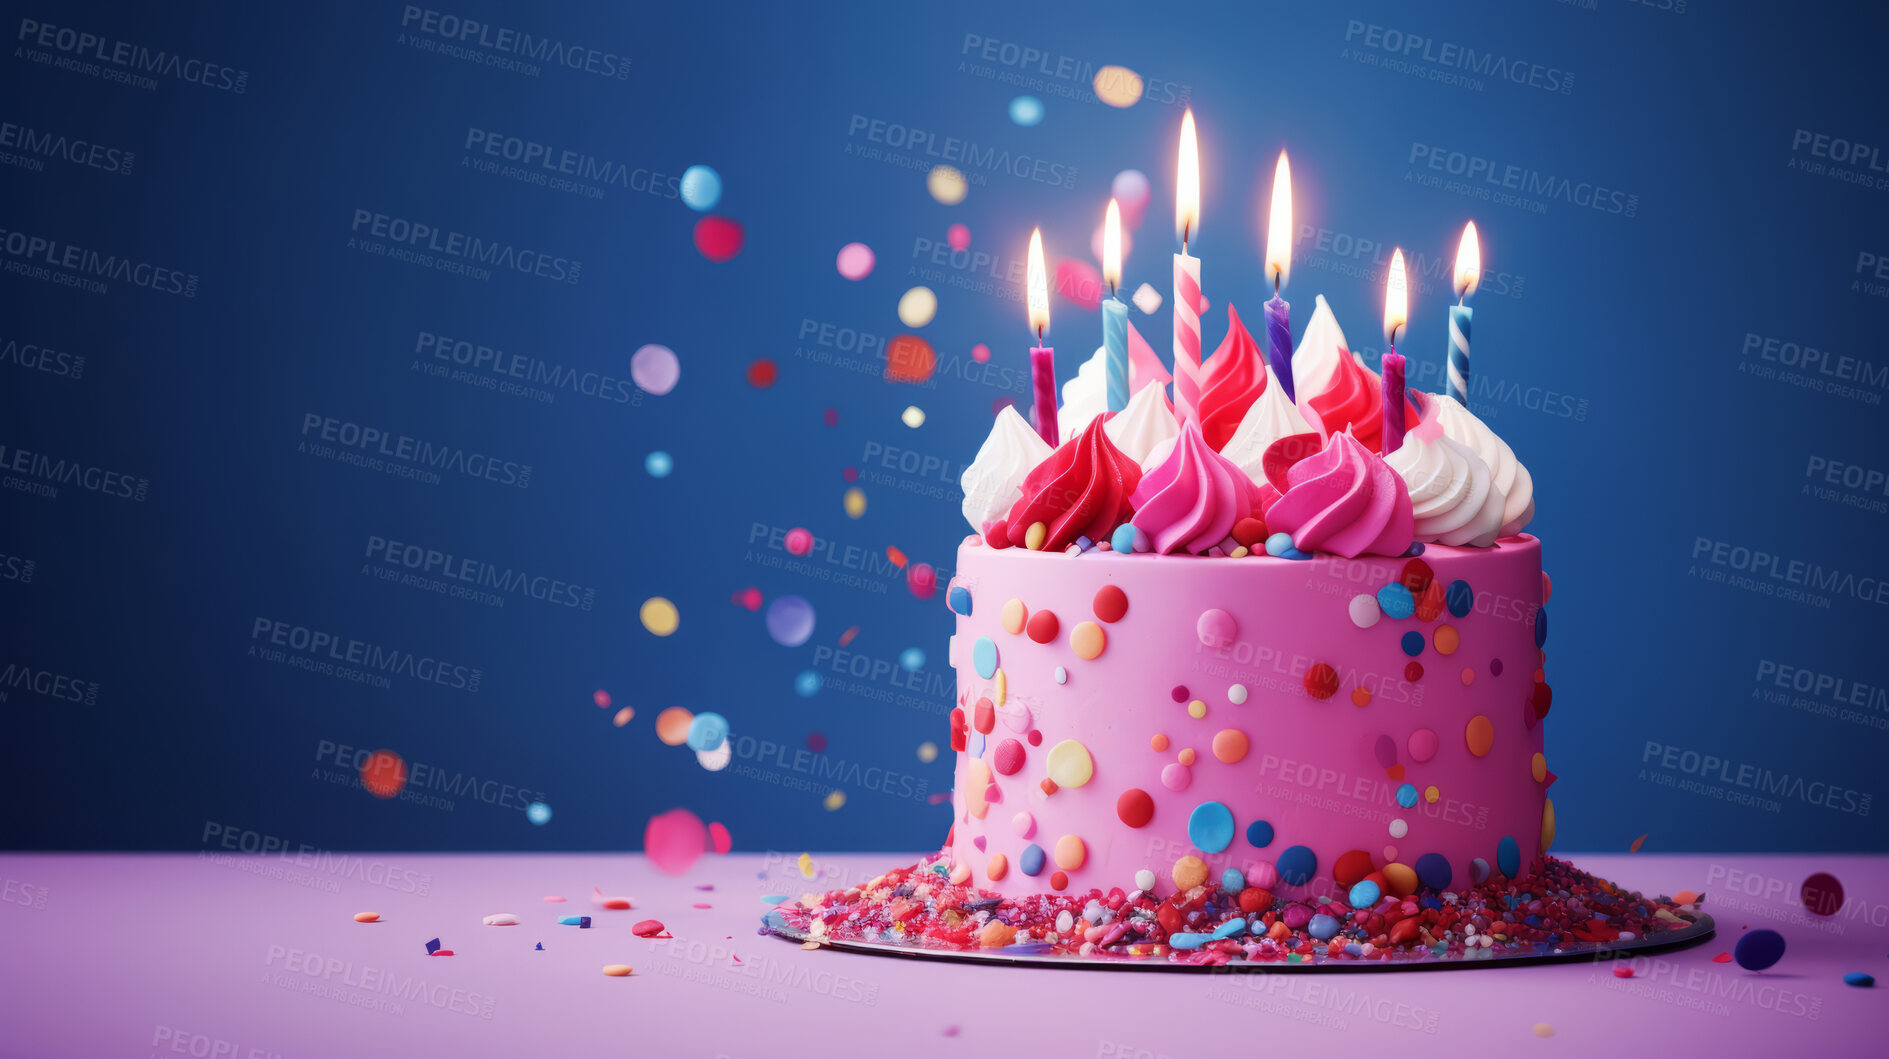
1393	401
1043	392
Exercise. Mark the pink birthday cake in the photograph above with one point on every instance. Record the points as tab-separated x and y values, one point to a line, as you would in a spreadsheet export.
1234	683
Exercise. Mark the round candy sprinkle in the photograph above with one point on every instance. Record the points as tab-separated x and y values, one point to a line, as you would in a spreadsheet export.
1479	734
1210	827
1186	757
1541	626
1396	601
1538	767
1351	866
1118	86
1008	760
1508	857
1026	111
1088	640
1176	777
659	616
1217	628
1043	626
854	501
1859	979
1384	749
1279	544
1062	675
1023	825
1188	872
1071	852
1297	865
1013	616
1144	880
855	261
655	369
1110	603
958	599
1321	681
1034	537
984	657
1413	671
1459	598
1031	860
790	620
672	725
1433	870
1407	796
1322	927
1159	742
1361	696
1431	794
708	731
1230	745
1821	893
917	306
659	464
701	188
799	541
1365	611
1259	834
998	867
1364	894
1070	765
1237	694
1495	667
1479	869
1445	639
1123	539
1759	949
1399	828
675	840
1542	1029
1135	808
1430	602
1178	693
367	917
1197	709
1412	643
617	970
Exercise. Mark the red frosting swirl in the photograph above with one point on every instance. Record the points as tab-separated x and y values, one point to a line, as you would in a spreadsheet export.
1346	501
1355	399
1238	377
1082	490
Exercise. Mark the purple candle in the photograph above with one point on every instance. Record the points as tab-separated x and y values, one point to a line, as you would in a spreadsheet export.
1279	342
1393	401
1043	392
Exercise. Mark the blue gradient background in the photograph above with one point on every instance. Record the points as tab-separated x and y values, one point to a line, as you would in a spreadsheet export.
1643	318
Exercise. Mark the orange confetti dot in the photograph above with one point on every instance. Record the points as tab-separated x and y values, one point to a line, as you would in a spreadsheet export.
1361	696
1469	675
1635	848
1159	743
1186	756
1479	734
897	557
1189	872
1230	745
1445	639
1431	794
384	774
623	716
1014	615
1538	767
910	359
998	867
672	725
1071	852
1088	640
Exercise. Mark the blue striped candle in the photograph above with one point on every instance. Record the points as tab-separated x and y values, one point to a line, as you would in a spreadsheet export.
1459	353
1115	357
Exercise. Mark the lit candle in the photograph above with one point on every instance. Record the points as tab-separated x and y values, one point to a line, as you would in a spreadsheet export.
1279	266
1114	313
1042	357
1187	276
1468	274
1396	314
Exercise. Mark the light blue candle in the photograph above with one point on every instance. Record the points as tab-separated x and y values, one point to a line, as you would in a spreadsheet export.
1459	353
1115	351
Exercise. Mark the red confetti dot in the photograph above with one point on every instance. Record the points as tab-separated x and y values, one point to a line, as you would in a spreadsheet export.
1723	957
1059	881
799	541
921	580
1179	693
719	837
984	716
762	373
1822	894
1043	626
980	353
1250	532
1008	758
1111	603
1623	971
1416	576
897	556
1079	282
1036	737
909	358
847	636
850	474
831	417
384	774
1321	681
816	742
1413	671
1135	807
674	840
719	238
1430	602
1352	866
1543	697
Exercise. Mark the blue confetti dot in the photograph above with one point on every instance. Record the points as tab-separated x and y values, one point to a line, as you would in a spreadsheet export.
1541	627
1279	544
1210	827
1433	870
1412	643
1322	927
1026	111
538	813
1396	601
1759	949
701	187
1415	549
1860	980
708	731
1295	555
1259	833
984	657
1364	894
958	598
1459	598
1031	859
807	684
1232	881
1407	796
659	464
1508	857
1123	539
912	659
1296	865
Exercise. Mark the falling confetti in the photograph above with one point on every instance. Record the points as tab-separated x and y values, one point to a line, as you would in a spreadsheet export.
912	658
895	556
847	636
659	616
749	598
980	353
921	580
1132	193
601	698
384	774
855	261
790	620
717	759
1079	282
659	464
719	838
1118	86
719	238
913	416
672	725
623	716
946	184
958	237
655	369
1147	299
807	684
538	813
675	840
1026	111
834	800
831	417
917	306
909	359
762	373
855	499
928	752
799	541
1635	848
701	188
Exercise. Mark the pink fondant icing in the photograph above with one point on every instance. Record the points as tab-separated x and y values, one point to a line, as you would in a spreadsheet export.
1313	771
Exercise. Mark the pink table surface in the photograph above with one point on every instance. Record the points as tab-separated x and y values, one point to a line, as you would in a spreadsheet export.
241	956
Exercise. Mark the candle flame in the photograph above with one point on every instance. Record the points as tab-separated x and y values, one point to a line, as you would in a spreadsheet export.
1112	247
1396	299
1187	183
1468	262
1039	289
1279	231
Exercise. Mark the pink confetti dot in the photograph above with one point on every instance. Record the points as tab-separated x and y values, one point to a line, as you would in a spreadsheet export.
831	417
723	841
980	353
719	238
1132	193
960	238
1080	282
655	369
851	474
922	580
601	698
799	541
816	742
855	261
674	840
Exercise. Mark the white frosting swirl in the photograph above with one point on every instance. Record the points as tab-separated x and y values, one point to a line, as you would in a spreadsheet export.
1146	424
1518	487
994	481
1315	358
1452	491
1085	396
1270	418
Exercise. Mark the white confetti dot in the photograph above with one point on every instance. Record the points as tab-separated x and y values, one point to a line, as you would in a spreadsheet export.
1236	694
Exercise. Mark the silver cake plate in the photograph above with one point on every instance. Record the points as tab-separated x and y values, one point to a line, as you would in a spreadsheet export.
1420	959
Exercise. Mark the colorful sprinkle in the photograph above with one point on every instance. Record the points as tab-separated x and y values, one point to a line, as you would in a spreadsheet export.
984	657
1759	949
1188	872
1230	745
1412	643
1297	865
1321	681
1071	852
1396	601
855	261
1043	626
1479	735
1088	640
1110	603
1210	827
1217	628
1070	765
1365	611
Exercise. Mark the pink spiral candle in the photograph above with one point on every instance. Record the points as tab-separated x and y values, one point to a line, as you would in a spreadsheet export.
1186	335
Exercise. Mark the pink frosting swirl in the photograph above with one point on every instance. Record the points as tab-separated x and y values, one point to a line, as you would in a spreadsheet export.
1346	501
1191	501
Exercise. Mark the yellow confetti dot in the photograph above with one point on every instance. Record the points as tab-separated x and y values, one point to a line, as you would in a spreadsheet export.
1196	709
917	307
1445	639
834	800
1013	615
1003	688
1431	794
946	184
659	616
806	865
1230	745
928	752
1088	640
1186	756
1538	767
913	416
672	725
1547	824
1034	537
1479	734
1238	553
1118	86
1069	764
623	716
855	502
1189	872
1159	743
1071	852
